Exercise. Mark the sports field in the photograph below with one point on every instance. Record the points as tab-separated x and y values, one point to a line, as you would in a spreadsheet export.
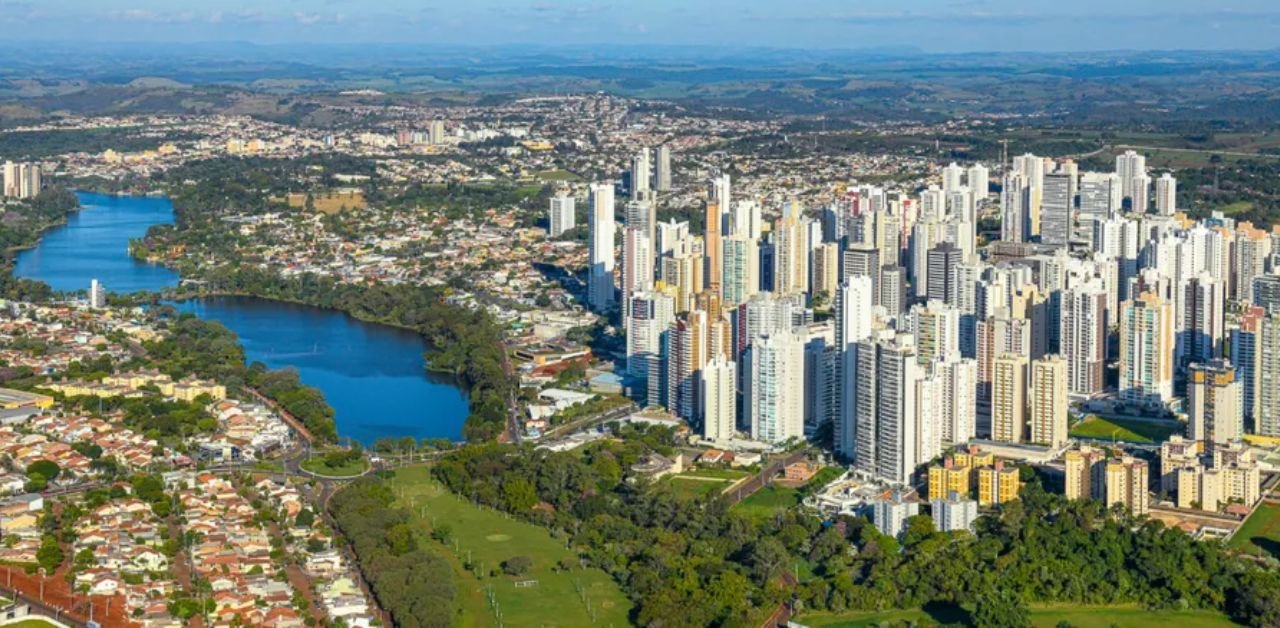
1260	534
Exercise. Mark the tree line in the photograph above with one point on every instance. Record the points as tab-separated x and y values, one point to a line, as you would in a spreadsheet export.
697	562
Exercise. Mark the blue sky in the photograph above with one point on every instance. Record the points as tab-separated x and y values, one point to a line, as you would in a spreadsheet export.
931	25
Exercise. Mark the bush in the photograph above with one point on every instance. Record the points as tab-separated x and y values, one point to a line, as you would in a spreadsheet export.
517	565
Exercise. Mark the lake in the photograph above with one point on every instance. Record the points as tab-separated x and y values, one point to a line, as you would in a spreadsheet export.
374	376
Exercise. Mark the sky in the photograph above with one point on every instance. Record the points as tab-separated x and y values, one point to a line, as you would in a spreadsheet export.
928	25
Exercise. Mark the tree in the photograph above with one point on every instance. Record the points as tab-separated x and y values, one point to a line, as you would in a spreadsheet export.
47	468
50	553
517	565
305	518
1001	609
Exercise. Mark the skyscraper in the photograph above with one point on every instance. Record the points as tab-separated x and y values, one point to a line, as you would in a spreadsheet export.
862	260
719	399
1049	401
1244	356
637	265
826	270
936	327
1129	167
1056	221
1266	388
1146	350
640	173
685	355
1084	337
662	169
1009	398
881	422
1015	225
560	214
97	295
853	311
979	182
774	388
1214	412
791	255
943	260
1101	195
1166	195
602	224
740	277
1200	321
647	324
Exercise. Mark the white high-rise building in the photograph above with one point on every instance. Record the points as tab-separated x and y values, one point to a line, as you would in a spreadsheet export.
791	255
719	399
1200	319
745	220
637	265
1057	209
979	181
647	323
721	191
773	392
1009	398
1015	204
11	185
1129	167
1101	195
640	174
1146	350
602	225
1084	337
662	169
881	432
1266	385
890	514
560	214
97	295
854	301
1166	195
1140	187
741	275
952	178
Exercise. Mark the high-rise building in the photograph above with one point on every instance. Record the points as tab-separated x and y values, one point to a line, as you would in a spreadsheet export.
662	169
1244	356
1016	197
853	311
560	214
647	323
1146	350
642	214
979	180
1200	321
1252	250
773	392
1141	189
862	260
1131	166
602	225
1214	399
712	247
791	255
881	423
1049	401
943	260
740	278
11	185
996	336
1101	195
1166	195
893	290
826	270
1032	169
1056	209
640	173
719	399
685	354
437	132
1009	398
97	295
936	327
1266	388
1084	337
637	265
1266	292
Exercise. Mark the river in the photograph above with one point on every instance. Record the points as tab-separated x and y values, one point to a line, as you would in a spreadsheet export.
373	375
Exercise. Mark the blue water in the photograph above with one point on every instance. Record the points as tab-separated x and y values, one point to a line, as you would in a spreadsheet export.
373	376
94	244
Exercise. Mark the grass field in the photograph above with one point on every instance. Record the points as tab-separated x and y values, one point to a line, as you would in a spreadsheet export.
30	623
1260	534
1128	430
317	465
1043	617
699	482
768	501
560	598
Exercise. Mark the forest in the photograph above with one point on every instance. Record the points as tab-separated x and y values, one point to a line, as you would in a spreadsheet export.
695	562
412	583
